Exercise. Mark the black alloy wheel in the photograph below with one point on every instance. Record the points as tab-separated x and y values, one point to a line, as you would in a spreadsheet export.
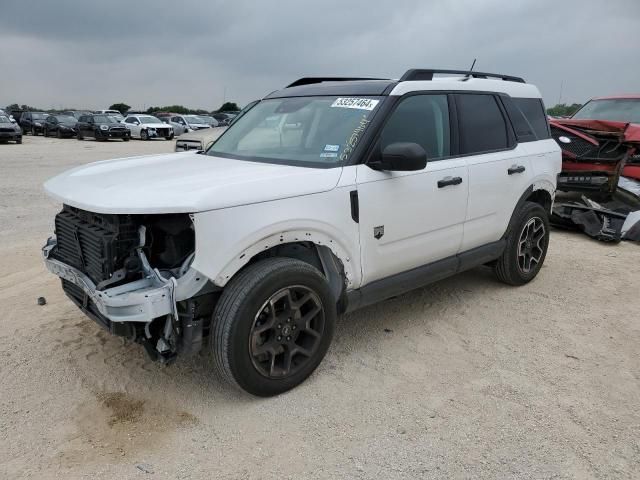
286	332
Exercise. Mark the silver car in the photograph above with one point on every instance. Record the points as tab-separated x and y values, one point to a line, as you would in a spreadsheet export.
186	123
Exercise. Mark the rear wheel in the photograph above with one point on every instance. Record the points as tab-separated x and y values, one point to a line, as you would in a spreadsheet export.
272	325
527	244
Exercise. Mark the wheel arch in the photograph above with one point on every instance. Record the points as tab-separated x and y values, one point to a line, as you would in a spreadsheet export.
541	192
313	247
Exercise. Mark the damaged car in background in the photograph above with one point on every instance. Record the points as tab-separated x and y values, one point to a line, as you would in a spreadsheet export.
600	168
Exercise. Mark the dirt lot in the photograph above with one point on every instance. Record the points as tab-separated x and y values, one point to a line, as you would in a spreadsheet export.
464	379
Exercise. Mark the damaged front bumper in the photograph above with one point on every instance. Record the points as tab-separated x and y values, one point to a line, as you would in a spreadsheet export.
141	300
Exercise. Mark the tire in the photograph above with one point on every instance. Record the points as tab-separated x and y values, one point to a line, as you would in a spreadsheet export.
18	141
45	133
144	135
33	131
58	134
170	137
527	244
241	310
125	139
79	135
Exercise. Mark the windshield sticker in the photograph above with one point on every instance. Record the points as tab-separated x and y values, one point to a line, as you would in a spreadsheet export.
359	103
328	155
331	148
352	141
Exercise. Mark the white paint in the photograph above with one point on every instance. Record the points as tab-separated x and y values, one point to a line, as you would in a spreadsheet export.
183	183
515	89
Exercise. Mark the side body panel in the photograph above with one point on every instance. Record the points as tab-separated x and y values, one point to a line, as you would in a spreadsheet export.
224	244
493	193
421	223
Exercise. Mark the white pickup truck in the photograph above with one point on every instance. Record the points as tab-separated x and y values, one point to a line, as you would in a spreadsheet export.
327	196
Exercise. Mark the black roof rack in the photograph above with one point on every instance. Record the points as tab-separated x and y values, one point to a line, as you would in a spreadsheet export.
312	80
427	74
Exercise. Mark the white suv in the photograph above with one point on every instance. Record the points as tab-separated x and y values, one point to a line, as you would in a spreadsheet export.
327	196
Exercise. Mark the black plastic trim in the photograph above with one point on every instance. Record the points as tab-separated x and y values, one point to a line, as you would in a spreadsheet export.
421	276
313	80
355	206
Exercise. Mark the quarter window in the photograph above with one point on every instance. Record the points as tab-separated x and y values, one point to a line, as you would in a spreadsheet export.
482	125
421	119
533	111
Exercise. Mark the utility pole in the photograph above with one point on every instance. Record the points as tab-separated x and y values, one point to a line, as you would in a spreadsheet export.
561	87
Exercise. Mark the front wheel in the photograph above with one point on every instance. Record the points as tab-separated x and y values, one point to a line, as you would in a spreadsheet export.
144	135
527	244
272	325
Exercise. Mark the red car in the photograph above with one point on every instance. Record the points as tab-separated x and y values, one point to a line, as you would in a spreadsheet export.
599	143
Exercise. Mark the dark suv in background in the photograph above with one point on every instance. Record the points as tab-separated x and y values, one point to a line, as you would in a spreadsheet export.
101	127
32	122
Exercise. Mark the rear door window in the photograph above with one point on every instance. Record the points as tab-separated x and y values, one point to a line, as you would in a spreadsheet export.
482	125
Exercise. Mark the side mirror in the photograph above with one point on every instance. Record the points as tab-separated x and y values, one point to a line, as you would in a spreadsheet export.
136	123
401	157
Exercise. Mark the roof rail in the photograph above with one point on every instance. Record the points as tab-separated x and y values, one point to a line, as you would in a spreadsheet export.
427	74
312	80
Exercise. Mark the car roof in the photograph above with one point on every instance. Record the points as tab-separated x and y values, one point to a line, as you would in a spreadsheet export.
412	80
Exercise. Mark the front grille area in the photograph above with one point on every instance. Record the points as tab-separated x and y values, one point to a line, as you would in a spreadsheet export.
95	244
162	132
7	130
606	149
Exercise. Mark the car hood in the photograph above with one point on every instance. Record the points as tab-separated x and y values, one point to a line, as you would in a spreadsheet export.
183	183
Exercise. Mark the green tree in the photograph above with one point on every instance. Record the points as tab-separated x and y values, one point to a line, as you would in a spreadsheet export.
563	110
123	108
229	107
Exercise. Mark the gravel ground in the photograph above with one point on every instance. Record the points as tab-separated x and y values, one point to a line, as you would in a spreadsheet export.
467	378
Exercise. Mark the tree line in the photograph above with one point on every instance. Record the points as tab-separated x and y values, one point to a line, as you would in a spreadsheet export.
123	108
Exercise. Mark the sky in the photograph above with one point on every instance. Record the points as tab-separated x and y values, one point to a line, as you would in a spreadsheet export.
90	54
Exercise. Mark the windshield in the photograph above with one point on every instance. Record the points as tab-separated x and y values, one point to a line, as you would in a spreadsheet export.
305	131
105	119
38	116
149	119
66	119
4	119
193	119
614	109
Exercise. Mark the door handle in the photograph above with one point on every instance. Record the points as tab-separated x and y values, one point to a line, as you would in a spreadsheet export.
515	169
446	181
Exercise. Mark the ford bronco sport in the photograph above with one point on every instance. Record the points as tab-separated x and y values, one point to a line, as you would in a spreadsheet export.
329	195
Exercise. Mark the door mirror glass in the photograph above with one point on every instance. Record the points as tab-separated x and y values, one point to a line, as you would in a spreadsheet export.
401	157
